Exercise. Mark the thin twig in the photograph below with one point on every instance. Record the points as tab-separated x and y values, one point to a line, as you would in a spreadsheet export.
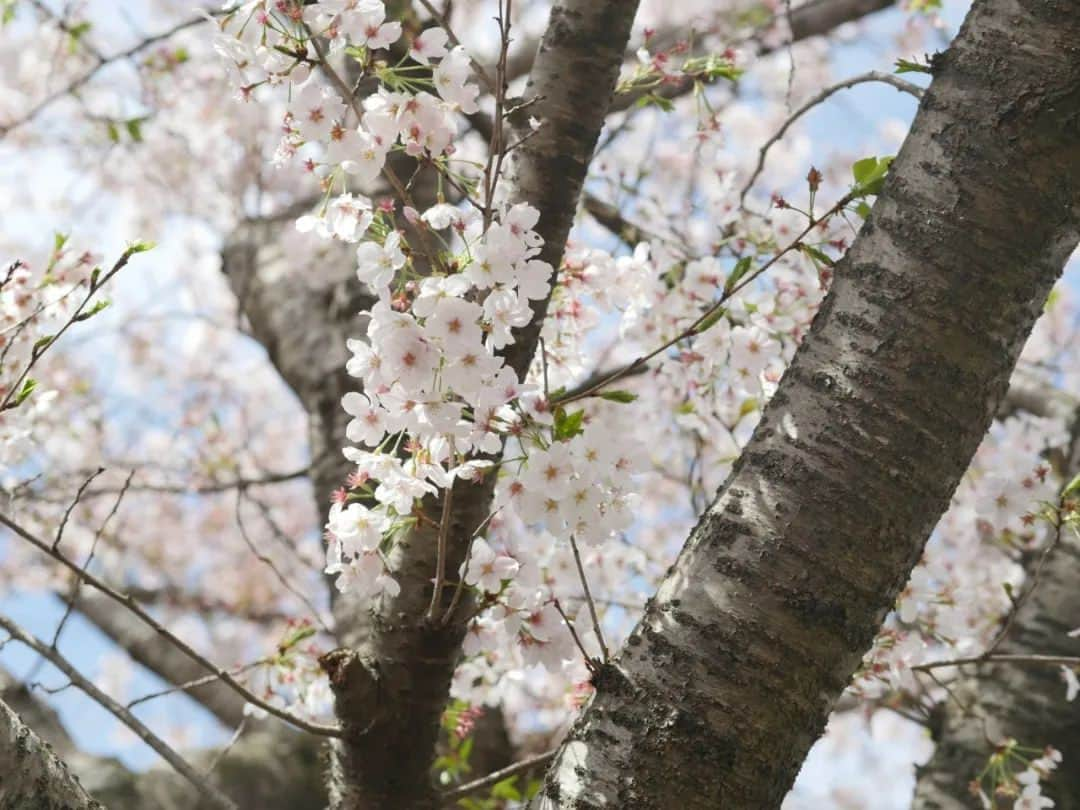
589	600
73	597
590	664
269	563
194	684
215	796
872	76
129	602
454	41
469	788
440	553
990	655
460	587
77	83
1036	578
71	507
1001	658
694	328
220	755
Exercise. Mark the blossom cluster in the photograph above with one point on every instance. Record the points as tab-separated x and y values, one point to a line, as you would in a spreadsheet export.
35	304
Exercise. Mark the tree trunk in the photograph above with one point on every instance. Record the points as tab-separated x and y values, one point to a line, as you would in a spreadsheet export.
730	675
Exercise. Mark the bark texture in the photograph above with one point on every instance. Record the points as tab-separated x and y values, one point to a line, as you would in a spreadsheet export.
730	675
573	76
32	777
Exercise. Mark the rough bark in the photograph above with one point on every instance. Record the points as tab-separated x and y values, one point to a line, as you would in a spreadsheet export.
32	777
730	675
574	77
1024	702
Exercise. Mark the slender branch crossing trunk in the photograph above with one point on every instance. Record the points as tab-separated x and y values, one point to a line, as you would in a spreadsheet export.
730	675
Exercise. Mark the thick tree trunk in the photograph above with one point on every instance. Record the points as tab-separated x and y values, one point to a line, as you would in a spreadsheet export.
730	675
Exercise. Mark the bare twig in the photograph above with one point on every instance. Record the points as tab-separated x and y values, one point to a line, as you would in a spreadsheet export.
203	681
129	602
999	658
71	506
872	76
73	596
269	563
590	664
469	788
440	559
209	791
589	600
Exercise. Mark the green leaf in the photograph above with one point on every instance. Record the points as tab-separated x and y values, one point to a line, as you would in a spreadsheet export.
75	33
1073	486
710	321
869	174
618	396
506	790
134	128
816	254
112	131
863	209
94	310
24	393
742	267
908	66
138	246
40	345
654	99
567	426
465	750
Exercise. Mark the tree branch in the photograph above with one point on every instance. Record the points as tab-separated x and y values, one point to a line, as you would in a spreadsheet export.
205	788
872	76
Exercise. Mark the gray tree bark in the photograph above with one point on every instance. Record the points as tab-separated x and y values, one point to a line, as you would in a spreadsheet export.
730	675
